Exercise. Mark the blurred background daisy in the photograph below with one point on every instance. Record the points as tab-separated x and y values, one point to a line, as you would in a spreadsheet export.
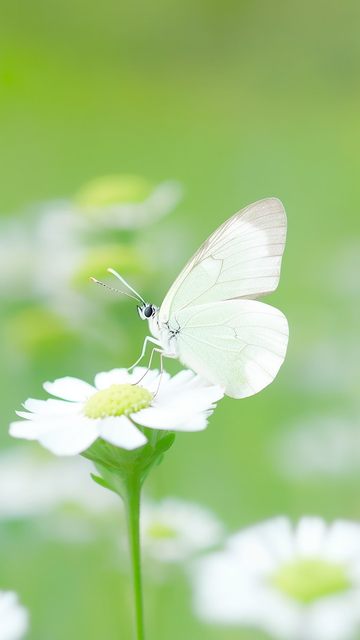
295	583
14	618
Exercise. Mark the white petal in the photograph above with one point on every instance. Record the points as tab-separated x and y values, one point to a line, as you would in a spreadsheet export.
279	538
151	380
70	389
342	543
168	420
192	399
122	376
310	535
183	382
253	553
183	379
71	440
334	618
13	617
180	411
121	432
56	416
49	406
29	416
194	423
219	591
280	616
105	379
33	429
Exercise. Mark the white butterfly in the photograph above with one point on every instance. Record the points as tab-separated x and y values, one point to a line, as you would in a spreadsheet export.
210	319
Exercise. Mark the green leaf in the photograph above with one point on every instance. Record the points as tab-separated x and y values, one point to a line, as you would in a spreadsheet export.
165	443
101	482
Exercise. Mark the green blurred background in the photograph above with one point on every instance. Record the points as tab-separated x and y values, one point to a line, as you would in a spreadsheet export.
238	101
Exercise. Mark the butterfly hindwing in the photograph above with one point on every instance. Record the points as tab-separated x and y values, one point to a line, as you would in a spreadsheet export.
238	344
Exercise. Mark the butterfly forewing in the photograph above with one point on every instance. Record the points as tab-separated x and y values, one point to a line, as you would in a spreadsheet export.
241	259
238	344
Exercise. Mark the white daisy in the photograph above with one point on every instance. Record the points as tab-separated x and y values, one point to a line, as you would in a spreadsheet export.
114	408
321	445
299	583
127	201
14	619
34	483
35	242
174	530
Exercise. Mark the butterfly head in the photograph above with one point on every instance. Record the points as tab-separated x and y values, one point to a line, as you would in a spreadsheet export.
147	311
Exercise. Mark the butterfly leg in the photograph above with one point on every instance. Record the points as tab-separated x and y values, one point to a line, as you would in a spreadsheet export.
150	361
163	355
147	339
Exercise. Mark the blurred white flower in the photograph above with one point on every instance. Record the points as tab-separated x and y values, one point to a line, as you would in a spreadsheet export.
14	618
33	484
114	408
329	366
299	583
174	530
341	273
318	446
42	251
127	201
38	255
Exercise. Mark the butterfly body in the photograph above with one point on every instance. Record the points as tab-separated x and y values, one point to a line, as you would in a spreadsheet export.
164	333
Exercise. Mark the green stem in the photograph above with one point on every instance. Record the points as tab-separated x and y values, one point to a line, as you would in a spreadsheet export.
132	506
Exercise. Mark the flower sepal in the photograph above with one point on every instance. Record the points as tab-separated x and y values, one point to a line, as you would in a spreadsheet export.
116	465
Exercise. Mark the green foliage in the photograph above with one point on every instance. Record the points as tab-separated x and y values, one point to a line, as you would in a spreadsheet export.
117	465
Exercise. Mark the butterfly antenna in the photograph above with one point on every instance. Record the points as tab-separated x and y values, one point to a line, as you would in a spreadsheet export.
112	289
126	284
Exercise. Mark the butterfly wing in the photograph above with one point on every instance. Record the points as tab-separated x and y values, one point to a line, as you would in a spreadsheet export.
238	344
241	259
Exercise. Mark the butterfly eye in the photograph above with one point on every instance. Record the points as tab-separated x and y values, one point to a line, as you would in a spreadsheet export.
148	311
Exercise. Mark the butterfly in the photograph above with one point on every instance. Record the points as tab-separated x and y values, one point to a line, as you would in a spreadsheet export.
211	320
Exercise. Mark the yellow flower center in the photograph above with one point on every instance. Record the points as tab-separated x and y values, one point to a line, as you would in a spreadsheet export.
113	189
159	531
117	400
308	580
